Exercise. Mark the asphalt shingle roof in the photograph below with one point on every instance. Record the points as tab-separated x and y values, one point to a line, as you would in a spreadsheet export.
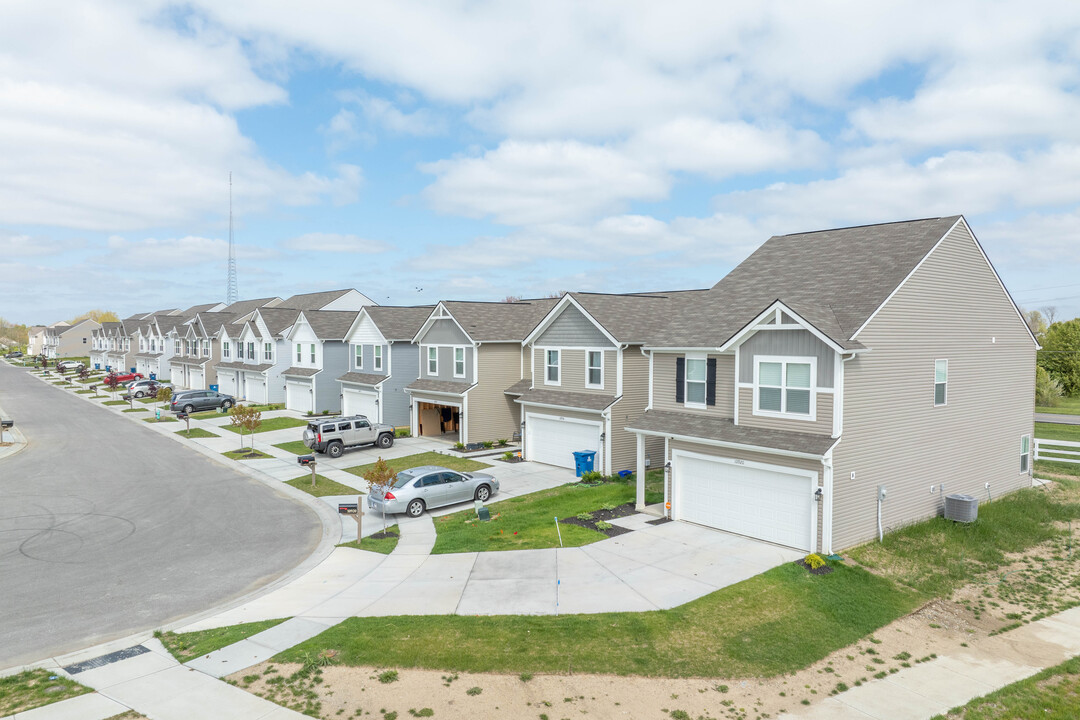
636	317
495	321
709	427
398	323
573	400
439	386
330	324
301	372
312	301
278	319
243	307
363	378
835	279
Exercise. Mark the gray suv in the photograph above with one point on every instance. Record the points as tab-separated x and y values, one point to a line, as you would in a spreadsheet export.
190	401
333	435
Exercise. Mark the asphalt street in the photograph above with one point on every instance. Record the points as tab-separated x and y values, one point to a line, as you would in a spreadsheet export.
107	528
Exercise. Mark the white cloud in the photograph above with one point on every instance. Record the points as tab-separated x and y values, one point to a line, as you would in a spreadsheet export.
522	183
158	255
382	113
23	245
335	243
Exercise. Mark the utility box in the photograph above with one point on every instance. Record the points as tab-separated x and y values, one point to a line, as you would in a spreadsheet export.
961	508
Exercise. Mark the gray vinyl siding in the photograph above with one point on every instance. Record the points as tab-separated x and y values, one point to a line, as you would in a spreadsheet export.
395	401
335	363
750	456
951	308
635	398
572	329
444	332
789	343
492	414
369	360
572	371
664	385
446	365
822	423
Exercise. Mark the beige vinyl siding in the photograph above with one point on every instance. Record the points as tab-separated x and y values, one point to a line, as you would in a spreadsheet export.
951	308
572	371
635	397
664	384
750	456
822	424
492	414
563	413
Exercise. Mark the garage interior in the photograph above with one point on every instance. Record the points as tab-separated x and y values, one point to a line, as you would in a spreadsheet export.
441	421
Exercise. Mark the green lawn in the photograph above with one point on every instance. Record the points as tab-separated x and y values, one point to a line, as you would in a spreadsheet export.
34	688
1053	694
937	556
1067	406
429	458
83	392
115	402
188	646
380	545
135	410
163	418
269	425
296	447
528	521
197	433
243	454
1056	431
211	414
773	623
323	486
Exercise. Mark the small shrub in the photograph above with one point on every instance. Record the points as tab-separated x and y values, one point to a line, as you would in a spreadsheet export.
508	455
503	442
526	676
488	444
814	561
422	712
592	476
388	676
459	446
603	525
402	432
584	516
474	691
841	687
609	506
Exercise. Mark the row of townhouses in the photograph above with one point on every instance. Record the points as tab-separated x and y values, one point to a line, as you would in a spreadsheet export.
61	339
831	379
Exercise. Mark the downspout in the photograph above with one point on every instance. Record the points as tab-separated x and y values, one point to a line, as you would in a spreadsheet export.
650	356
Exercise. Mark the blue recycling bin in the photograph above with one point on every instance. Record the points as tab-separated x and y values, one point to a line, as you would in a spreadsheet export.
153	376
97	366
583	461
214	388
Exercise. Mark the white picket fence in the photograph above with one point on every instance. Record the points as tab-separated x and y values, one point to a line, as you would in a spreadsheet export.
1057	450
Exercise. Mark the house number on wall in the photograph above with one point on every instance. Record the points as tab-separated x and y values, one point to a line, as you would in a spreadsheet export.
740	462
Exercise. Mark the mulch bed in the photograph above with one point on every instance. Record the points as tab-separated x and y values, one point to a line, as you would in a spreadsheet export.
515	459
823	570
382	535
604	516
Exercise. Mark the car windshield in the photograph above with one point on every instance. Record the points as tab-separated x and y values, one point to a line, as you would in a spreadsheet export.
403	479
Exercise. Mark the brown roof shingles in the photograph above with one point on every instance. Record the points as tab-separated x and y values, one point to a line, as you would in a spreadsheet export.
499	321
398	323
721	429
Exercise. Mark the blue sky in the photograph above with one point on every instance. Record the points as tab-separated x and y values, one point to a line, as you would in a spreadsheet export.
420	151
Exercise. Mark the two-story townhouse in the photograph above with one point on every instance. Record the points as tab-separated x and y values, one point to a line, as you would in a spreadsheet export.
197	367
835	384
174	329
471	353
590	377
151	346
383	361
120	355
98	346
75	340
35	340
319	354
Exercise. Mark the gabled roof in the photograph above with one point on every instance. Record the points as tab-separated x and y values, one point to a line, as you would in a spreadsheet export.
833	279
278	319
195	309
212	321
330	324
243	307
497	321
630	318
313	301
398	323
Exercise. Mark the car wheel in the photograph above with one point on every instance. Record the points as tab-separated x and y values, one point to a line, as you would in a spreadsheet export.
483	493
189	409
226	405
335	450
139	394
386	440
416	508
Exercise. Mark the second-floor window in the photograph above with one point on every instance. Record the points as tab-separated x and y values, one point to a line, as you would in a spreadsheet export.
206	347
153	345
941	381
594	369
312	353
268	351
251	351
358	357
176	347
299	353
225	350
551	367
433	361
377	350
459	362
784	387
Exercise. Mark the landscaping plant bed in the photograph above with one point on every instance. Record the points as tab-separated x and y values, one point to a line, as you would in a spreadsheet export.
603	516
474	448
512	459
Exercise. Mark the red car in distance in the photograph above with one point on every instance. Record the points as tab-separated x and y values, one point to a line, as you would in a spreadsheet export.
126	377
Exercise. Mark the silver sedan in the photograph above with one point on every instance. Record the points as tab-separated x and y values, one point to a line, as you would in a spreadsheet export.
414	490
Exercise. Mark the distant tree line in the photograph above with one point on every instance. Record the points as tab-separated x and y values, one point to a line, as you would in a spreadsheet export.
1057	373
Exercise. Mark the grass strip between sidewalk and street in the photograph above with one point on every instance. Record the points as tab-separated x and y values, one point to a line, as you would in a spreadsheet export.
420	459
776	622
191	645
296	447
163	418
246	454
36	688
211	414
324	486
196	433
268	425
383	545
1053	694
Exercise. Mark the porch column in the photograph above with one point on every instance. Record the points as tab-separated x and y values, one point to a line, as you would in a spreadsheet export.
639	473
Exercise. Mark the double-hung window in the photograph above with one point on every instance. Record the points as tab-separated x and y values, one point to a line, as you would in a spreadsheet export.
268	351
594	369
459	362
785	387
433	361
1025	453
251	351
225	350
299	353
312	348
377	351
206	347
358	357
697	374
941	381
551	367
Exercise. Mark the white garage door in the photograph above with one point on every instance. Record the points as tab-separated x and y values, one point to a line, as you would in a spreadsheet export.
197	379
553	440
749	500
227	382
358	402
298	397
255	389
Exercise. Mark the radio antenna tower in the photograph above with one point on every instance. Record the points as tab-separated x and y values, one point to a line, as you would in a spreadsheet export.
231	293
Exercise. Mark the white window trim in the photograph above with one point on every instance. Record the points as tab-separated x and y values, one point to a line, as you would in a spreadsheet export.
786	360
225	352
252	353
311	350
557	366
1028	454
704	357
299	353
589	367
456	373
376	357
429	357
946	383
358	357
268	351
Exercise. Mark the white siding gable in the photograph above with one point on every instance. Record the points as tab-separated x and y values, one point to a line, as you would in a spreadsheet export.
366	333
352	300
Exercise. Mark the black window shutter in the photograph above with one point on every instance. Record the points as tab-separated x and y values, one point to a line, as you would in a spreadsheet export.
680	379
710	382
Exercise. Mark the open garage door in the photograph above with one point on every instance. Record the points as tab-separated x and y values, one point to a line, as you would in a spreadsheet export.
769	503
553	440
359	402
